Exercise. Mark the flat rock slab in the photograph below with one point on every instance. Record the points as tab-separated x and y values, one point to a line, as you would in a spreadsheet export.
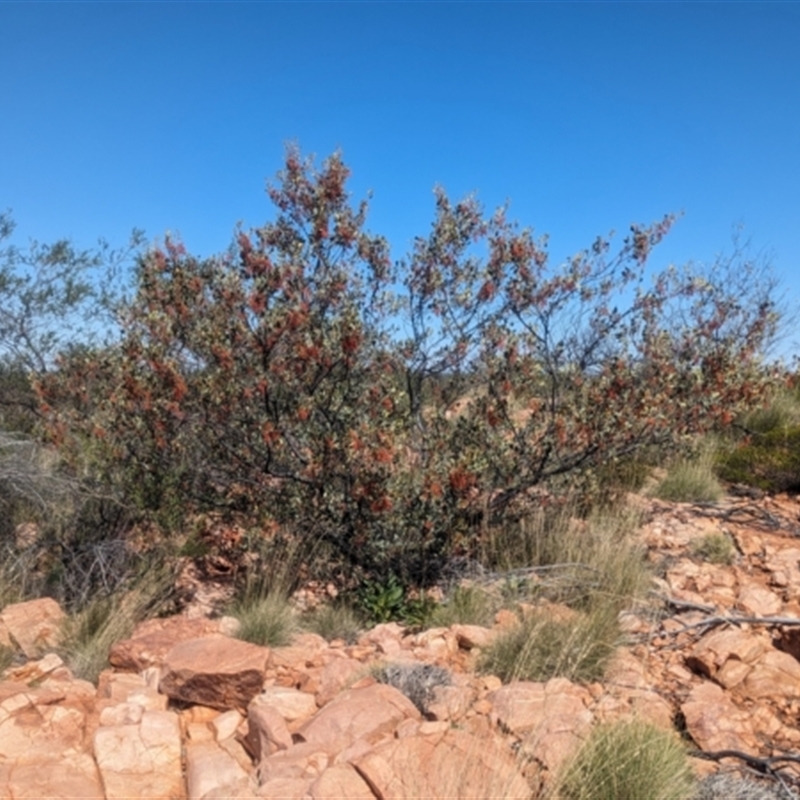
154	638
458	765
214	671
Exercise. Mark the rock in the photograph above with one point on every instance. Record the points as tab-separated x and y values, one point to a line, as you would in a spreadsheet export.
456	765
154	638
758	601
141	761
267	731
715	649
367	713
67	776
472	636
776	675
340	781
292	704
335	676
33	626
212	774
214	671
715	723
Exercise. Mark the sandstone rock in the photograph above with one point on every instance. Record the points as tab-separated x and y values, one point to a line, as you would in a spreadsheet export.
267	731
305	760
715	723
211	774
367	713
141	761
775	675
154	638
386	638
285	788
292	704
758	601
214	671
472	636
66	776
458	765
335	676
340	781
712	652
34	625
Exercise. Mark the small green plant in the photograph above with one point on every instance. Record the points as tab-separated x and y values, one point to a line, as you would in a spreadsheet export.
383	601
335	621
715	548
540	647
417	682
628	760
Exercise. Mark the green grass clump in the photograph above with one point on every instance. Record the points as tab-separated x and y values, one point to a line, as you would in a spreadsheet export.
541	648
715	548
335	621
692	479
466	605
89	634
268	620
628	760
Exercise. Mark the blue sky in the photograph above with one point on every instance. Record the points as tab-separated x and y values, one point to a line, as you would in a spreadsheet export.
587	117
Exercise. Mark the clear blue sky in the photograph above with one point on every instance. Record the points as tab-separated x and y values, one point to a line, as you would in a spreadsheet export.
587	116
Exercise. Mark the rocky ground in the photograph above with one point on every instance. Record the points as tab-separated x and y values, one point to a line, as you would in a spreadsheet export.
188	711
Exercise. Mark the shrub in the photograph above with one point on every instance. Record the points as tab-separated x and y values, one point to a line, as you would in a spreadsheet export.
417	682
726	786
769	461
715	548
628	760
396	410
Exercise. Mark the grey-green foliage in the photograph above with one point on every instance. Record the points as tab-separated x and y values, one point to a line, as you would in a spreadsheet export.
727	786
416	681
53	296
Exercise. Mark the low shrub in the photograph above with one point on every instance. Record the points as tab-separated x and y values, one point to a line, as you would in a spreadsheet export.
728	786
417	682
715	548
768	461
628	760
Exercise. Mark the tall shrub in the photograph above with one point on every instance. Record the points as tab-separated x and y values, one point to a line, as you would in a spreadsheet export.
393	409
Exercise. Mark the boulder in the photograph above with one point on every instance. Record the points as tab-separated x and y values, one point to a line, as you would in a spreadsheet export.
154	638
716	723
455	765
211	773
214	671
141	760
33	626
367	713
